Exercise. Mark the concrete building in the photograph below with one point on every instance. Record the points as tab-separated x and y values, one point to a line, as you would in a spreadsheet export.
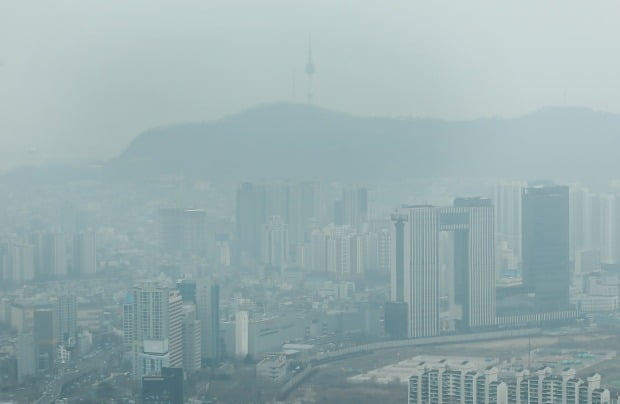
157	321
213	332
385	251
447	383
85	253
51	255
610	228
439	386
242	325
66	314
274	369
353	208
415	277
175	329
16	262
208	313
45	334
275	249
25	353
191	340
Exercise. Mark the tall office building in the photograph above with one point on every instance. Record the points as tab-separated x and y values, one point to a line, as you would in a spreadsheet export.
25	353
214	344
157	329
45	330
610	229
507	200
384	251
593	222
249	221
471	222
187	287
352	209
310	198
128	320
416	266
175	329
578	206
85	253
184	231
275	251
304	208
208	312
55	252
191	340
242	330
546	245
357	254
66	314
50	255
417	278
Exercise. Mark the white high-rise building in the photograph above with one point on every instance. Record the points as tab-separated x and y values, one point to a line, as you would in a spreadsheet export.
157	328
416	266
242	330
418	280
175	329
460	383
128	321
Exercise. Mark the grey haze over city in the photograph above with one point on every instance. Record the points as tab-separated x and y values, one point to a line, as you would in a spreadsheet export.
309	202
80	79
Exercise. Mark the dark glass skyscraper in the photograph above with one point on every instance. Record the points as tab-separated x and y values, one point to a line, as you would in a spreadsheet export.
545	244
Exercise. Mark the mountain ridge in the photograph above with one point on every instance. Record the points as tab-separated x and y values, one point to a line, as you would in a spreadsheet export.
294	140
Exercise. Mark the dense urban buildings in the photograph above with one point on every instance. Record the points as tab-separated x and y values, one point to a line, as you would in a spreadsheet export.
447	383
333	274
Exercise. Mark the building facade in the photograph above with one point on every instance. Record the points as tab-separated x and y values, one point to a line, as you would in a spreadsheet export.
415	276
546	245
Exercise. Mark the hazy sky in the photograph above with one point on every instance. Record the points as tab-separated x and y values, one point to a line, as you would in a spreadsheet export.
79	79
